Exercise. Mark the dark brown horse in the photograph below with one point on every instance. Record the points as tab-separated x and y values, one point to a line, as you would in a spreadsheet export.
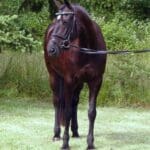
69	68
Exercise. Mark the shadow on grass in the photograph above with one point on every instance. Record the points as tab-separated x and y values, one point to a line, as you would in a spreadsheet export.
118	139
130	137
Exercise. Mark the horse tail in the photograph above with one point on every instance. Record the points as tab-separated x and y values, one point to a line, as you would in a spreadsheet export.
61	103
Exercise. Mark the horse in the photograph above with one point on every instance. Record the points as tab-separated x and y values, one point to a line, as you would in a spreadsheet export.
69	68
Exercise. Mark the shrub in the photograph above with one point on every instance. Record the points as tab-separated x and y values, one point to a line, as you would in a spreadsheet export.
12	37
123	32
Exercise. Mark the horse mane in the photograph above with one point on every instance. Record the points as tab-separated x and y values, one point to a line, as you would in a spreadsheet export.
81	14
81	10
86	26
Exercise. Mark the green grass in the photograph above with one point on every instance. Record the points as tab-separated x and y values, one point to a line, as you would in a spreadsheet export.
23	74
27	124
126	80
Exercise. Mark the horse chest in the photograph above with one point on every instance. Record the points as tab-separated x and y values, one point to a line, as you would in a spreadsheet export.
63	65
86	72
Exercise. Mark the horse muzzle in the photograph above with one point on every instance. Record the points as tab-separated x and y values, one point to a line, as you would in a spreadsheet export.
53	50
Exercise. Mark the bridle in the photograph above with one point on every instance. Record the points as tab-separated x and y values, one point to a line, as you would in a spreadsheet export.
65	44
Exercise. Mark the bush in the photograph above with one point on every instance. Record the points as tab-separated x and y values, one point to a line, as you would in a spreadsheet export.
12	37
140	8
123	32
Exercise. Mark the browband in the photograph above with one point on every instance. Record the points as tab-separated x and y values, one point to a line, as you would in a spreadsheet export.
64	13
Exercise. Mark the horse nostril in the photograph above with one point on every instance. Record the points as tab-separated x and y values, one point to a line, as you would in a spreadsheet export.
52	50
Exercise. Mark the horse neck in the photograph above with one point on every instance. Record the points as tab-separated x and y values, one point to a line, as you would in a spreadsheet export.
87	32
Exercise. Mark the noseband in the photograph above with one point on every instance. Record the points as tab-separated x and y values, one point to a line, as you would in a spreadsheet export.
66	39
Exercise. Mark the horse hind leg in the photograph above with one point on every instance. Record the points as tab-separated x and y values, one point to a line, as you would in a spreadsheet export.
94	87
74	120
68	93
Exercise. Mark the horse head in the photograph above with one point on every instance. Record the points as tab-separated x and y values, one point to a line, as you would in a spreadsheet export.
63	29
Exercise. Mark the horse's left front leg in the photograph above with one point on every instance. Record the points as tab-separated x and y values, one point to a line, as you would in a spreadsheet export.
94	87
68	114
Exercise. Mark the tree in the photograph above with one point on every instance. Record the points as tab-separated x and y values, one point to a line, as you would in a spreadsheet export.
37	5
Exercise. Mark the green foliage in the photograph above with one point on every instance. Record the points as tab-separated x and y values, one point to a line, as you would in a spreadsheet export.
121	32
126	80
9	7
140	8
13	37
125	25
25	32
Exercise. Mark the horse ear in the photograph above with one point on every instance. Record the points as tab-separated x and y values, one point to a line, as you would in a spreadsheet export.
67	4
57	3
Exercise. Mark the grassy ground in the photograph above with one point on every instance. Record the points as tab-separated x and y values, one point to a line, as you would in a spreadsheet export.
27	124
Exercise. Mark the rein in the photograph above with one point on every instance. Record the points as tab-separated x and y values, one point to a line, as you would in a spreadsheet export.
104	52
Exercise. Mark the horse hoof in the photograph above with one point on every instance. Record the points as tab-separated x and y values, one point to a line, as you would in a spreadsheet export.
56	139
75	135
65	148
90	148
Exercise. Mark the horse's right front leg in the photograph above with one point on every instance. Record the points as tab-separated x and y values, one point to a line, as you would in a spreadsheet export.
55	86
74	120
57	129
68	114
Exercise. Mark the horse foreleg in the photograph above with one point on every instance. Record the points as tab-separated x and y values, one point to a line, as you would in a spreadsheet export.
68	115
94	87
74	121
57	124
55	82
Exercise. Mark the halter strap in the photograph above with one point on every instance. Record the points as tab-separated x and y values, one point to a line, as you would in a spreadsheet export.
66	40
64	13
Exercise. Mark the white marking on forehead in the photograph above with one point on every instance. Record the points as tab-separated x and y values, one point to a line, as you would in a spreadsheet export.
58	17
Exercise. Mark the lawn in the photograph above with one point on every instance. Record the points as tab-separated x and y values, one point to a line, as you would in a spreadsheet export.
27	124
